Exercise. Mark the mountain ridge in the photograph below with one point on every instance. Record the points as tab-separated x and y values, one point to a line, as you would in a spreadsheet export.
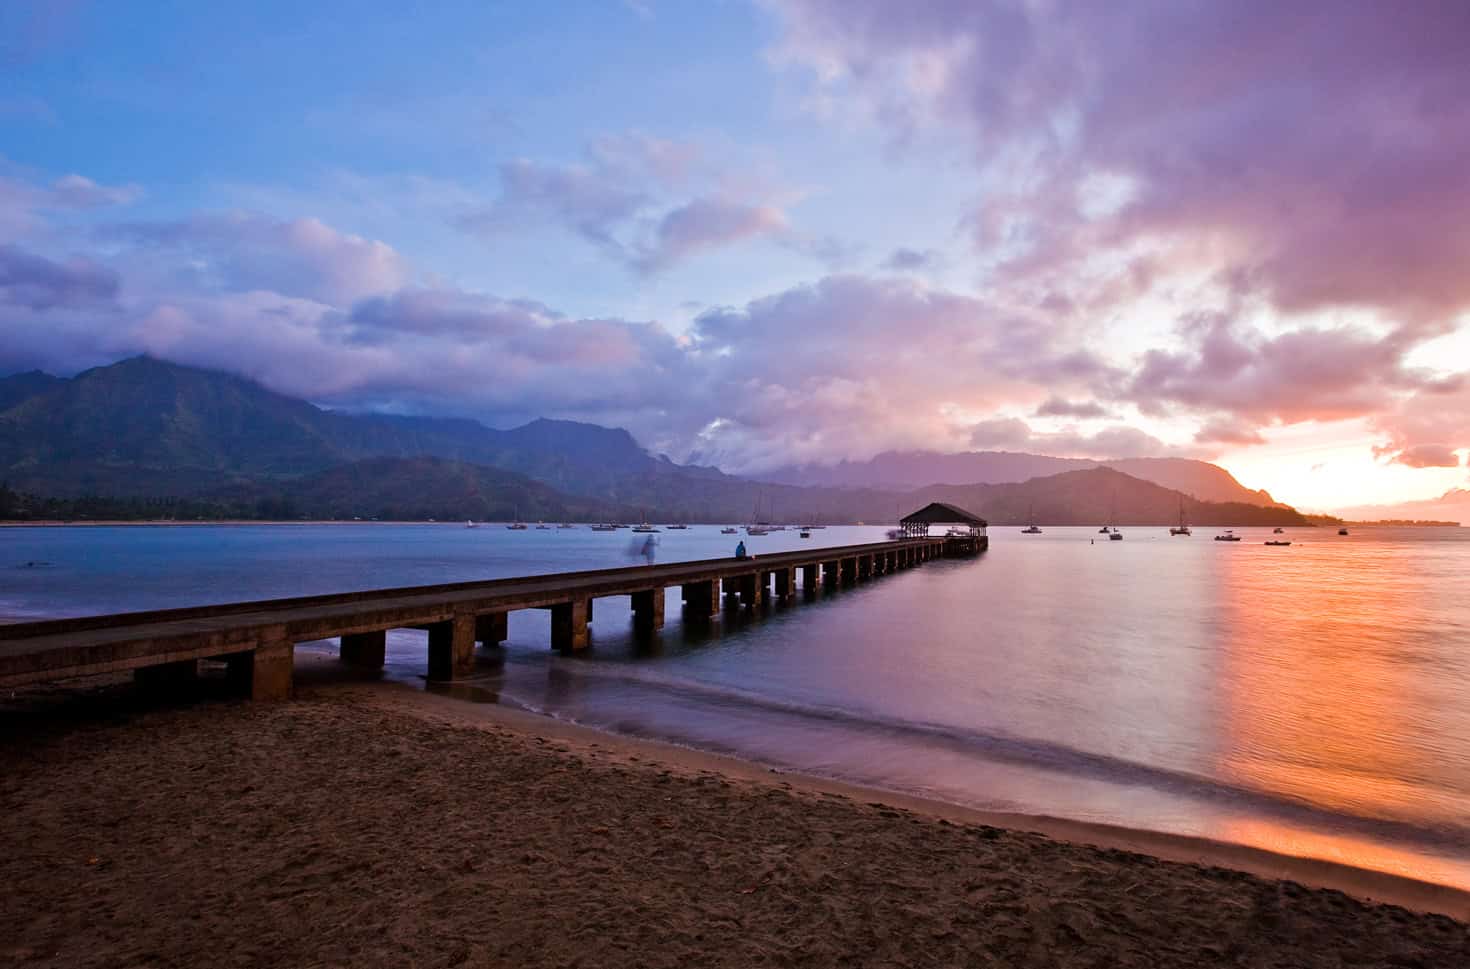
148	429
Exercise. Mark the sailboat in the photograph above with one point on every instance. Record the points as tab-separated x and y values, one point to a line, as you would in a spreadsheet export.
1113	534
1183	529
1031	529
517	525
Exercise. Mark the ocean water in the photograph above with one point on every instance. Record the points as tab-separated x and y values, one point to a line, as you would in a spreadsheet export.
1313	700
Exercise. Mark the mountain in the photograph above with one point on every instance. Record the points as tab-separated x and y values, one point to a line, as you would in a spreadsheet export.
1098	496
20	387
1201	479
903	470
182	441
147	427
417	489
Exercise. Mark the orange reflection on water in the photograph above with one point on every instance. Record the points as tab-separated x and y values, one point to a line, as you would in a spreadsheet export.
1325	697
1297	842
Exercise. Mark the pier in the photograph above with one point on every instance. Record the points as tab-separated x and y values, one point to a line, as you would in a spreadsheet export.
256	640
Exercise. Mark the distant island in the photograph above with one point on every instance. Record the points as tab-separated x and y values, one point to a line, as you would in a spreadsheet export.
149	440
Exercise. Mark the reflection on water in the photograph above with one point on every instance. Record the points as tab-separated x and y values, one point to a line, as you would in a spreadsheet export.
1306	699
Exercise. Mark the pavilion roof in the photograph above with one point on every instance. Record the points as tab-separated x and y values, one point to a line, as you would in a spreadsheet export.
941	513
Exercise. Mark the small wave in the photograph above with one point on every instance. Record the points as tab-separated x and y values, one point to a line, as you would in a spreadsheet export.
1005	748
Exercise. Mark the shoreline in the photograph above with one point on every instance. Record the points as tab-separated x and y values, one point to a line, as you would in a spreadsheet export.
1362	883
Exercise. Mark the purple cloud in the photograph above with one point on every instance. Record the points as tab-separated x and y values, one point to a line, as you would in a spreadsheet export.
1229	432
904	259
1014	434
629	198
706	223
297	257
1316	149
1060	407
36	283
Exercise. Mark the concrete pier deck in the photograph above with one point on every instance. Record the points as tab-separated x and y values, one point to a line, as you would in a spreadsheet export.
256	639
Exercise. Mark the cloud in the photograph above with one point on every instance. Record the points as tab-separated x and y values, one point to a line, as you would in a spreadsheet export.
1305	374
1426	428
1014	434
1228	431
706	223
1316	152
1058	407
629	199
33	282
1288	179
297	257
904	259
591	202
79	192
26	203
1425	456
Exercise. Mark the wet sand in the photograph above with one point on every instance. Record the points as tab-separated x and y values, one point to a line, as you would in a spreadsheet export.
374	825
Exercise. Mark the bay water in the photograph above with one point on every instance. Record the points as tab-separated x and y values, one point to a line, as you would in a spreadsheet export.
1311	699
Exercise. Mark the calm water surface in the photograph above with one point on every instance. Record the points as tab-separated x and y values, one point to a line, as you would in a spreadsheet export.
1313	699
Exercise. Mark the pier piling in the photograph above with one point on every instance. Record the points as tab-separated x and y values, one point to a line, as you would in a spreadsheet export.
368	650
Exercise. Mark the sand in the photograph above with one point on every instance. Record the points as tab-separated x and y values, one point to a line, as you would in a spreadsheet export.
374	825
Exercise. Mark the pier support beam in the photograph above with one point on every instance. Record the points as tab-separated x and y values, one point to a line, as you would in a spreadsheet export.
831	573
569	625
809	578
750	589
263	673
452	648
367	650
865	566
491	628
648	609
785	584
701	599
847	569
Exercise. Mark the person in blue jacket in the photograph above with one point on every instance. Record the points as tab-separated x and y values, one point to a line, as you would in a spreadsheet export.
740	551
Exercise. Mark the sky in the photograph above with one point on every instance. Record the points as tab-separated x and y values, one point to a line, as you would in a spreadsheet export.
769	232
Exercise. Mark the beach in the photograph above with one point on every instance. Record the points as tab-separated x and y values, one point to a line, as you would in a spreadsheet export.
370	824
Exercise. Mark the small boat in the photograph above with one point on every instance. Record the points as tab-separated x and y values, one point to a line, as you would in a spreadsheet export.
1182	528
566	525
1115	536
805	533
604	527
517	525
1278	530
676	528
1227	536
1031	529
1342	531
542	527
1105	530
1278	543
729	531
471	524
756	530
645	527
